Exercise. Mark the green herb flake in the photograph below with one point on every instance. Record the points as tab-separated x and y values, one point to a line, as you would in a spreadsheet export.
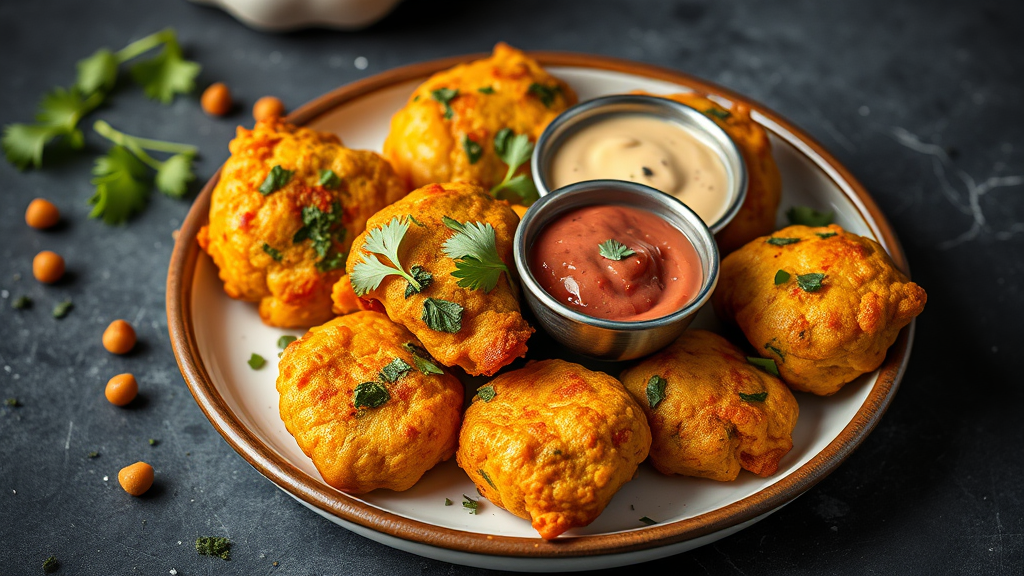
394	370
546	94
214	546
474	249
809	216
656	390
779	352
487	478
415	221
781	277
422	277
93	455
824	235
256	361
285	340
153	442
442	315
647	521
63	309
22	303
718	113
614	250
810	282
782	241
370	394
272	252
759	397
421	359
447	502
11	402
470	504
329	180
445	97
766	364
51	565
486	393
275	180
473	150
485	90
322	229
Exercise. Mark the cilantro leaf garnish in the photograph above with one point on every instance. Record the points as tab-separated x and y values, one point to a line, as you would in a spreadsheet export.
63	309
97	72
422	276
473	150
370	394
368	273
759	397
414	220
781	277
275	180
167	73
422	359
214	546
486	393
322	229
447	502
272	252
122	186
394	370
474	249
174	174
777	351
285	340
487	478
809	216
718	113
256	361
51	565
21	303
485	90
445	97
546	94
329	180
470	504
514	150
825	234
614	250
58	116
648	521
766	364
781	241
810	282
442	315
656	390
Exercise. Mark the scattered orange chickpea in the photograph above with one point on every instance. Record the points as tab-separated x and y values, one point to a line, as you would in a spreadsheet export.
267	107
121	389
119	337
136	479
48	267
216	100
41	214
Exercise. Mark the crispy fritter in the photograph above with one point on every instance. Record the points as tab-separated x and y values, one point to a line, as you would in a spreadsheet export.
506	90
358	449
252	236
554	444
764	183
819	337
493	332
700	423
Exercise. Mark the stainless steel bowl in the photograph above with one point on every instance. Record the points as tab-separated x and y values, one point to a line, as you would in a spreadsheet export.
597	337
586	113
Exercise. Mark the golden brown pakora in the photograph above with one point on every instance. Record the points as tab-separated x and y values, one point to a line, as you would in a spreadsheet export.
823	303
446	131
367	404
552	443
756	216
284	213
711	412
477	328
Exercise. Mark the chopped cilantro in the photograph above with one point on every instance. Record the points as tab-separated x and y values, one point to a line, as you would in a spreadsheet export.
322	229
63	309
214	546
759	397
394	370
473	150
810	282
12	402
825	234
809	216
93	455
485	90
285	340
487	478
718	113
781	277
329	180
445	97
782	241
272	252
486	393
256	361
442	315
275	180
21	303
153	442
656	390
420	274
371	394
546	94
447	502
769	346
648	521
766	364
469	504
415	221
51	565
614	250
422	359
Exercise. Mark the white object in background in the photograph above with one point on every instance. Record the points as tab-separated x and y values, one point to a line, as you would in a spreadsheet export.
278	15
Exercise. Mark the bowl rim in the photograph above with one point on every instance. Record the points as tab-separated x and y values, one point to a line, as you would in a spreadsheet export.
545	147
265	460
549	202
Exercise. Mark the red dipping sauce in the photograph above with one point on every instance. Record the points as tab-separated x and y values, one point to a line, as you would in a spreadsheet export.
661	277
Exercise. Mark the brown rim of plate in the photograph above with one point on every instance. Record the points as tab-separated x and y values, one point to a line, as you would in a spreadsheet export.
313	492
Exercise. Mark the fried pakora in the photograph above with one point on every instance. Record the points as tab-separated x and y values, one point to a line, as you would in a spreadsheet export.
446	131
439	260
367	404
552	443
711	412
284	213
756	216
824	304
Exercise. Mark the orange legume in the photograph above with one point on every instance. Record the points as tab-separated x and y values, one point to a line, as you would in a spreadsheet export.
119	337
121	389
216	100
41	214
136	479
267	107
48	267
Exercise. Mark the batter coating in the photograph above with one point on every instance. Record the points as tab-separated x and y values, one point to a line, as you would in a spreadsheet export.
252	234
507	90
716	412
554	444
832	313
361	449
492	331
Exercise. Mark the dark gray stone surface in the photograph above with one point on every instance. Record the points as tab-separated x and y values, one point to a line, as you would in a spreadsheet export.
921	100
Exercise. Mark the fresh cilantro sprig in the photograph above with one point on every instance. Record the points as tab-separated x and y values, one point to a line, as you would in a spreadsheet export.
385	241
807	216
514	150
614	250
474	249
445	97
59	113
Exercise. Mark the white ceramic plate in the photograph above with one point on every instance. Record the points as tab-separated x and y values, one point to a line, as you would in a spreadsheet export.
215	335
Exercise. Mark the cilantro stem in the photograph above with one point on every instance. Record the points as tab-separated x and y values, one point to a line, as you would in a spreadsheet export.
134	142
143	45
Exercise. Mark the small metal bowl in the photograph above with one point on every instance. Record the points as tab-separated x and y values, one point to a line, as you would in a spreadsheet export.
597	337
591	111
